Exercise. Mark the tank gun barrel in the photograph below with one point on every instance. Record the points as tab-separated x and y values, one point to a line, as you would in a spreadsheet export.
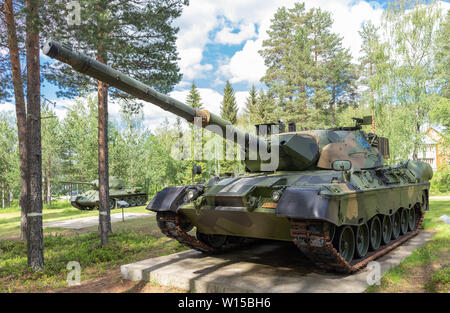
93	68
76	182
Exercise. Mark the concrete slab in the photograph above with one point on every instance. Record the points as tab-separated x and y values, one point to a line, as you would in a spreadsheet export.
265	267
78	223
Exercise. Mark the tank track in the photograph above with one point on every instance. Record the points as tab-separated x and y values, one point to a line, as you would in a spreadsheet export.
170	225
310	236
313	240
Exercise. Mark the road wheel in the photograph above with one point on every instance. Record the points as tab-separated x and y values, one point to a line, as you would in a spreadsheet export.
412	219
386	229
131	201
345	243
213	240
404	221
375	233
362	240
396	220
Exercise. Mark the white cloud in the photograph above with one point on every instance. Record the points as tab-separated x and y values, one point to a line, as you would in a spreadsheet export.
246	65
228	36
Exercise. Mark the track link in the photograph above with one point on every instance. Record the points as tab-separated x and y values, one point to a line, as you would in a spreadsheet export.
313	239
171	223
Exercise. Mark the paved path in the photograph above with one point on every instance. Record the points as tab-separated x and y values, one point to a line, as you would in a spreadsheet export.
78	223
267	267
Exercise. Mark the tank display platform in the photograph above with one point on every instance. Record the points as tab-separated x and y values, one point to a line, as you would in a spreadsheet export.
266	266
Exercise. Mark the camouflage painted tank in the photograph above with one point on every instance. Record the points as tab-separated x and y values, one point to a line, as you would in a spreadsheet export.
327	191
117	192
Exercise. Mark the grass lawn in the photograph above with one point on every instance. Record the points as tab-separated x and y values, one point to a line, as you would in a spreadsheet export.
132	240
427	269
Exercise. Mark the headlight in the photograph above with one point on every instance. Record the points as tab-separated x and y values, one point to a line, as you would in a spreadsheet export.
276	195
190	195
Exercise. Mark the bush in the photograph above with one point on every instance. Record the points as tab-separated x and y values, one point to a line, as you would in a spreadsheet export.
440	183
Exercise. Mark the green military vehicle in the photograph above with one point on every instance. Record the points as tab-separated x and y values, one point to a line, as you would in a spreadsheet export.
327	191
133	196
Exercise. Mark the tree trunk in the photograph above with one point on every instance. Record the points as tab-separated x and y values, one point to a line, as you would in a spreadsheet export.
333	101
103	175
45	188
3	194
20	114
373	100
8	201
35	249
103	167
49	184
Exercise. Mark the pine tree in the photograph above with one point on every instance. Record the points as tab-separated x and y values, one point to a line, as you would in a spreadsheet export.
229	109
260	107
250	103
299	53
193	98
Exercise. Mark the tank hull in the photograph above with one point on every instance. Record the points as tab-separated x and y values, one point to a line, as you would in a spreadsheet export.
90	199
313	208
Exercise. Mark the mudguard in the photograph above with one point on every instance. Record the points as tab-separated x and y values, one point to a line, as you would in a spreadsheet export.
168	199
305	203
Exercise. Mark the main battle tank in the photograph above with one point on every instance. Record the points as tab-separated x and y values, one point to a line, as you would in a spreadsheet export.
327	191
88	200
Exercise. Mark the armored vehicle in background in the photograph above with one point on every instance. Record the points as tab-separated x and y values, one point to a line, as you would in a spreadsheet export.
88	200
327	191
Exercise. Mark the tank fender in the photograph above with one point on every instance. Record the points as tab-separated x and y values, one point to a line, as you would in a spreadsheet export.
168	199
306	203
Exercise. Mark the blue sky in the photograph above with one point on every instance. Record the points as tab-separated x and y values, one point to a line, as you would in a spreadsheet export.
219	41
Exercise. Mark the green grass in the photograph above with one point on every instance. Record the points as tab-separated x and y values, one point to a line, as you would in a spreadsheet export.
427	269
95	260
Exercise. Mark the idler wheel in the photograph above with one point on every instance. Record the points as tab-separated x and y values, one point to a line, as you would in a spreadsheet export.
404	221
375	233
344	242
386	229
396	225
362	240
213	240
411	219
